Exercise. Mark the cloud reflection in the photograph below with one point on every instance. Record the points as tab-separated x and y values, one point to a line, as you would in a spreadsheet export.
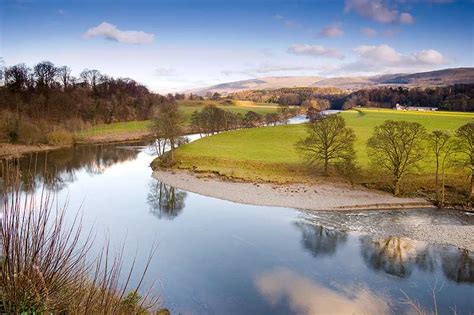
311	298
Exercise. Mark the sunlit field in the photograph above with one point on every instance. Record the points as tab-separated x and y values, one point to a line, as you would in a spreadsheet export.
270	150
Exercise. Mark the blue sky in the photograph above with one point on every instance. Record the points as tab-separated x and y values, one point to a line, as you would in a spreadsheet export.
176	45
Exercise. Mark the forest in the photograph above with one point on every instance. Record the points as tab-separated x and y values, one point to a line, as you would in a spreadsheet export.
46	103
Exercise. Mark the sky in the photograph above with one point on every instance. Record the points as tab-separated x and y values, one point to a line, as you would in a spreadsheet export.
176	45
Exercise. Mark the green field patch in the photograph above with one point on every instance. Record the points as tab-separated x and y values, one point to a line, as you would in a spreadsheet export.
270	151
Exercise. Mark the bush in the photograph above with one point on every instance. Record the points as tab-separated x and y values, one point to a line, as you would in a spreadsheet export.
10	127
60	137
30	133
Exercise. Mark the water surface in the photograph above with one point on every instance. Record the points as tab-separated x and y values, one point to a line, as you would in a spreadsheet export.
219	257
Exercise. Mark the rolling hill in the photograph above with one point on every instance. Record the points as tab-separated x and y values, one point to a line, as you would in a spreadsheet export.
422	79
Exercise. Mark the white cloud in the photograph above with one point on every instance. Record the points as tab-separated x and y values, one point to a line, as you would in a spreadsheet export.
386	55
315	51
383	58
111	32
332	31
379	11
369	32
430	56
406	18
382	53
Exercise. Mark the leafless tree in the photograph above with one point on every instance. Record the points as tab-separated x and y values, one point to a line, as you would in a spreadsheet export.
397	146
167	125
465	148
91	78
64	75
442	147
328	141
45	73
16	77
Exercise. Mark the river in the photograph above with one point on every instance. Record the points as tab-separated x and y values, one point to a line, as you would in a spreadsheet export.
219	257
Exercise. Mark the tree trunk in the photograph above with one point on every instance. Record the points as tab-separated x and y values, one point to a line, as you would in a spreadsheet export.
441	201
396	190
326	167
472	185
437	179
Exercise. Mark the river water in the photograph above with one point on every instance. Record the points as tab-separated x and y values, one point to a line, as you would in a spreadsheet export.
219	257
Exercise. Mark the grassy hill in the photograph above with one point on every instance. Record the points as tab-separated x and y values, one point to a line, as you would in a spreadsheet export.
268	153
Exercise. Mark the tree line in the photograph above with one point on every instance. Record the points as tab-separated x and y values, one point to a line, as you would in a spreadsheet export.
51	92
293	96
458	97
212	119
48	99
395	148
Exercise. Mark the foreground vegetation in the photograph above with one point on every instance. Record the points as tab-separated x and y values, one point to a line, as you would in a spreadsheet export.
269	154
47	266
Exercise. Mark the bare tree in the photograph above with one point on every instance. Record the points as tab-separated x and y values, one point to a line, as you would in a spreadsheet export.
328	141
45	73
441	146
91	78
465	148
167	126
16	77
397	146
64	75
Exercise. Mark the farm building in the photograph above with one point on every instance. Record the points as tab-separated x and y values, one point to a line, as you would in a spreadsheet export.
415	108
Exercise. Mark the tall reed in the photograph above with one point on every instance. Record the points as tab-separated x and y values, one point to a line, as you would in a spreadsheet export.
47	266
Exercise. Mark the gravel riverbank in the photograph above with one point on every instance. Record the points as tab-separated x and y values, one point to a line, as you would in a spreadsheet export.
321	196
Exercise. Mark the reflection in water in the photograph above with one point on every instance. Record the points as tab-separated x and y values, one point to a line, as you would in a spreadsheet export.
396	255
56	169
320	240
309	297
165	201
400	255
458	265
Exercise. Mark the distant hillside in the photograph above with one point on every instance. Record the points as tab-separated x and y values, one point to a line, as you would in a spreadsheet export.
267	83
422	79
440	77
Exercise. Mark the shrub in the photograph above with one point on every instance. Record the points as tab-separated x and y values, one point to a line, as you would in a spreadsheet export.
30	133
60	137
10	127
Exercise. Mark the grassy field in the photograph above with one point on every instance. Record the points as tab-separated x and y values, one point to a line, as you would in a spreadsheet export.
187	107
268	153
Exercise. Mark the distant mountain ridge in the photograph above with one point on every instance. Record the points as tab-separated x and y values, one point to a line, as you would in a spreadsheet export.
421	79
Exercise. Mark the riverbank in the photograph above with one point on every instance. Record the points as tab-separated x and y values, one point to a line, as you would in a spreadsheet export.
331	197
8	150
318	196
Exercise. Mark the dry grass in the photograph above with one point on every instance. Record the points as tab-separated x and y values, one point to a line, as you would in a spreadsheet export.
47	266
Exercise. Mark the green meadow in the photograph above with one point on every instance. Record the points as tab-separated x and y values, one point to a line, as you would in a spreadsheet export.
187	107
268	153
